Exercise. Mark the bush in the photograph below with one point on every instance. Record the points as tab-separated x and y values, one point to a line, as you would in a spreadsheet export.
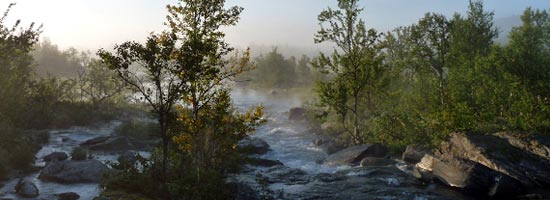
137	129
79	153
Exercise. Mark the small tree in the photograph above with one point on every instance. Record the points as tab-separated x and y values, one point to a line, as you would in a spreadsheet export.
355	64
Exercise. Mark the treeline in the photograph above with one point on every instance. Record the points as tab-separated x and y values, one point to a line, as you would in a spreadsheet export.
418	83
275	71
29	101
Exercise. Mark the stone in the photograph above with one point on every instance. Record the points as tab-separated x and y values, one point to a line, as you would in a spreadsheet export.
127	157
253	146
297	114
413	154
263	162
59	156
26	189
68	196
96	140
373	161
353	155
71	171
113	144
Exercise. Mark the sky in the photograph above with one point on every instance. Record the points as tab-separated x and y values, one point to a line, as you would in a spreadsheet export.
94	24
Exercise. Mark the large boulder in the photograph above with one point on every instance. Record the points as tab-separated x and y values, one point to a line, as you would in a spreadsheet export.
534	144
286	175
26	189
353	155
331	147
96	140
297	114
70	171
372	161
499	155
68	196
111	144
413	154
253	146
59	156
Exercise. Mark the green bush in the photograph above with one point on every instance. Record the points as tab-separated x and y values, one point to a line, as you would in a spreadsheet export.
137	129
79	153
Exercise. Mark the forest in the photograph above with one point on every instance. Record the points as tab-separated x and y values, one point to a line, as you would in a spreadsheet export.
439	86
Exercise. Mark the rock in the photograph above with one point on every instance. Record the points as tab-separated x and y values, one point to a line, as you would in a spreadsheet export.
263	162
70	171
68	196
96	140
372	161
353	155
127	157
242	191
413	154
535	144
499	155
327	177
273	92
59	156
253	146
331	147
286	175
318	142
26	189
113	144
297	114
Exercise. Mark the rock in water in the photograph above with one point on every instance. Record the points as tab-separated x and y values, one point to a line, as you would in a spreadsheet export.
68	196
353	155
372	161
70	171
413	154
96	140
297	114
253	146
499	155
26	189
59	156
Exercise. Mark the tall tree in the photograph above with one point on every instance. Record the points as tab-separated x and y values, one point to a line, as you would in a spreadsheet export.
355	63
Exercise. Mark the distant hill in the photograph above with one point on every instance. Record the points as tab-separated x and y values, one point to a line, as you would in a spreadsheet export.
505	26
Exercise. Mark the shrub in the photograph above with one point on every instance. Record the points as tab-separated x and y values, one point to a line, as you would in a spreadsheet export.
79	153
137	129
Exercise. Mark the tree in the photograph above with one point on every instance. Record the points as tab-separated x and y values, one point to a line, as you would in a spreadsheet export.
356	65
158	81
99	83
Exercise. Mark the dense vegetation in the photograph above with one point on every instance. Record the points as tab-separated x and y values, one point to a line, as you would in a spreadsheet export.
33	102
418	83
182	74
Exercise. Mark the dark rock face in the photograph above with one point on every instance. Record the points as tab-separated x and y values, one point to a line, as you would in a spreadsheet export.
499	155
413	154
96	140
26	189
297	114
263	162
113	144
372	161
253	146
331	147
59	156
127	157
68	196
70	171
499	165
287	175
242	191
326	177
353	155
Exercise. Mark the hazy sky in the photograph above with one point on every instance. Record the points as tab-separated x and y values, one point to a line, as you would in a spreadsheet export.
92	24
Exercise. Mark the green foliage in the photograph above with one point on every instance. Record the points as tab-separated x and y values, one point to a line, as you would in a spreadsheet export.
137	129
355	65
79	153
51	61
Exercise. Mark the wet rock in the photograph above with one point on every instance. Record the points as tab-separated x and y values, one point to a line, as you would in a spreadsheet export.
287	175
70	171
263	162
113	144
96	140
59	156
242	191
499	155
413	154
68	196
327	177
297	114
372	161
332	147
253	146
353	155
381	171
26	189
127	157
318	142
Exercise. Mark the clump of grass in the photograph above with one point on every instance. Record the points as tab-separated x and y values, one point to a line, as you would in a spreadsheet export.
79	153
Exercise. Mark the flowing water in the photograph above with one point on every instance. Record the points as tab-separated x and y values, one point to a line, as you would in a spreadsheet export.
302	177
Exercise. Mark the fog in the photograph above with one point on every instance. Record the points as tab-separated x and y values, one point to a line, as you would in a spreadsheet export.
90	25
